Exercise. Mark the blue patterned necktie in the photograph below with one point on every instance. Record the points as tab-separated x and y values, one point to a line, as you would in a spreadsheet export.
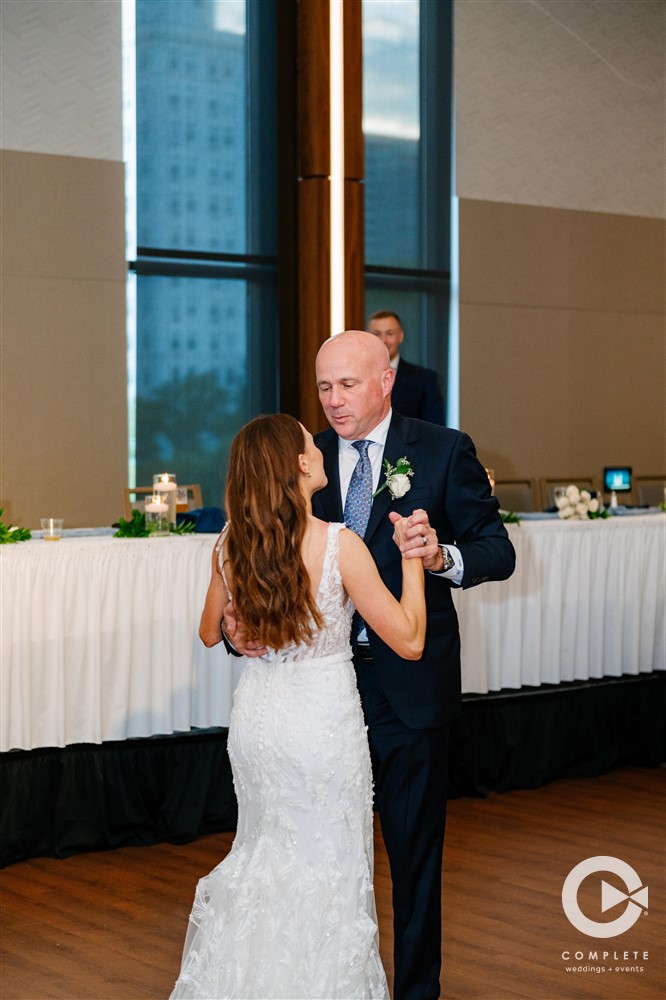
359	495
358	506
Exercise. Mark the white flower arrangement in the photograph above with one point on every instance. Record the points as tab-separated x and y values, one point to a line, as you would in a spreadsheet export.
397	478
575	504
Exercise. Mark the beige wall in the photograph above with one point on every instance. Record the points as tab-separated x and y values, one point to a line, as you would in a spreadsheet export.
561	103
562	347
561	179
63	406
61	72
63	403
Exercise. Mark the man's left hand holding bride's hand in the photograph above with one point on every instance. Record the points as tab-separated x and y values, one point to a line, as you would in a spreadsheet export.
419	539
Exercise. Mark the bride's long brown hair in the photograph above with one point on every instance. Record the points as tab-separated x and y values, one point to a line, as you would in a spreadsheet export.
267	522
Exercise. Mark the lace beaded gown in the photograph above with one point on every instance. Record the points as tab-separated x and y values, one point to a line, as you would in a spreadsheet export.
290	912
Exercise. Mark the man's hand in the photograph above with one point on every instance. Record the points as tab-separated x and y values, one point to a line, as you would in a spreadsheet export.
419	540
235	633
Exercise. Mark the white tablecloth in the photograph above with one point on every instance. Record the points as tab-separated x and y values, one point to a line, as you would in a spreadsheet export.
586	601
99	641
99	635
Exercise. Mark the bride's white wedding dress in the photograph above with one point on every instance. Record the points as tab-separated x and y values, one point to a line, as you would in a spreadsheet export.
290	912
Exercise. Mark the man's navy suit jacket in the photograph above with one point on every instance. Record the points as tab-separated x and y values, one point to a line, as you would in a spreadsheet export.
416	393
451	485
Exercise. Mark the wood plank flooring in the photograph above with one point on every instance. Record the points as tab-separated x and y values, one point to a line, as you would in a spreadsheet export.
110	926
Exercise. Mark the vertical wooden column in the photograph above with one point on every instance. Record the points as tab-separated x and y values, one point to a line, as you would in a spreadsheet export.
311	257
354	168
314	165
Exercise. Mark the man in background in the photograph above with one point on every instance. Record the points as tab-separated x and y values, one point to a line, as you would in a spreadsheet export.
416	392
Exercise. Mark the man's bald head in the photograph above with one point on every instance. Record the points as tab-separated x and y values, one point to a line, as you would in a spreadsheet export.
358	343
354	379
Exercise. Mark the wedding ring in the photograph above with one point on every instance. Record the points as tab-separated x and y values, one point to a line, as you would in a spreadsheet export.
425	541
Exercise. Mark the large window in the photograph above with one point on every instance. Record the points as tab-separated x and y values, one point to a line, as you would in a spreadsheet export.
203	329
203	334
407	128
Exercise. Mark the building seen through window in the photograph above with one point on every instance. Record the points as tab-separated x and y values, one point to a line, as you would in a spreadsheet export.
204	331
205	257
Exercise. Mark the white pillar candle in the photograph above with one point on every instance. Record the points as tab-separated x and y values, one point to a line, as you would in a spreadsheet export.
165	484
156	508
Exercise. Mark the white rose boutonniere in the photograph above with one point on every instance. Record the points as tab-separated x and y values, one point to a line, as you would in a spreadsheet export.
396	478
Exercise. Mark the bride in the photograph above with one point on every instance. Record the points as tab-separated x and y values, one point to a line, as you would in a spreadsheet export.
290	912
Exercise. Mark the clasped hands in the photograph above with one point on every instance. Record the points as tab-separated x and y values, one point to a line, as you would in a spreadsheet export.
413	535
417	539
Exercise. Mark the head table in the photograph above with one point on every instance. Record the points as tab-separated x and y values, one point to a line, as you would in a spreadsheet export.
99	634
100	641
586	601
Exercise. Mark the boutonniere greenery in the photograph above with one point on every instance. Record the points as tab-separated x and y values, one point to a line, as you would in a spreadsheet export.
396	478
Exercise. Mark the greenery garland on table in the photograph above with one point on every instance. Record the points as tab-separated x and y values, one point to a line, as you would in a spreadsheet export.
136	527
509	517
13	534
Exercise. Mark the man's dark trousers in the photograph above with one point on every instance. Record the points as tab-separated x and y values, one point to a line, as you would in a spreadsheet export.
410	772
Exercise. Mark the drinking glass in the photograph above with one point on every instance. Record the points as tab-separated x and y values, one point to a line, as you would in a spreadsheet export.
52	528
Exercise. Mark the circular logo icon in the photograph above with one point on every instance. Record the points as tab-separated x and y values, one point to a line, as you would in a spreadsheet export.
636	897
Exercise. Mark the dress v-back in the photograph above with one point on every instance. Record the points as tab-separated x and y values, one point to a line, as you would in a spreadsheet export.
290	912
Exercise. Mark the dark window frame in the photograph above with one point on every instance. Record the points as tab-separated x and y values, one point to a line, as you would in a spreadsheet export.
433	278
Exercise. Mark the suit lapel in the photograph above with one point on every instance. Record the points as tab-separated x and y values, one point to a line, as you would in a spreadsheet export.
329	499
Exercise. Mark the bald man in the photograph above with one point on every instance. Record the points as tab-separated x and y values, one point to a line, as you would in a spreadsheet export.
457	531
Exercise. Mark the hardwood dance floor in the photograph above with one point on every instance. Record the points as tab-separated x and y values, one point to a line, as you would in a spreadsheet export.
110	926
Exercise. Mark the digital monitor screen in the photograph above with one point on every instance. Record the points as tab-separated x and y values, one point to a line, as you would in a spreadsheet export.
618	478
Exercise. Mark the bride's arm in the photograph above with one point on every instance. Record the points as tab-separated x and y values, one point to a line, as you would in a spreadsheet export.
210	627
401	624
218	619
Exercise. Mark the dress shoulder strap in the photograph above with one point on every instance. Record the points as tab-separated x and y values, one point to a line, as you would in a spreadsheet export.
334	529
332	559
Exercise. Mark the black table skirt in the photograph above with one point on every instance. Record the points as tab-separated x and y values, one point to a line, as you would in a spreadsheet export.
57	802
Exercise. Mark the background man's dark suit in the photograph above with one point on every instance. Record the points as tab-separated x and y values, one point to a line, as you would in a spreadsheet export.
416	393
409	704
